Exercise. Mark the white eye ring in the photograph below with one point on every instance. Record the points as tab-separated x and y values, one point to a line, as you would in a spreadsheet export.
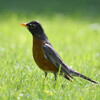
32	25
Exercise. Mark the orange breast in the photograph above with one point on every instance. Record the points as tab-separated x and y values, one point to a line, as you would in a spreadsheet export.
39	57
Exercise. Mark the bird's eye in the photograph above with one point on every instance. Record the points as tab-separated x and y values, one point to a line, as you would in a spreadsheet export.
32	25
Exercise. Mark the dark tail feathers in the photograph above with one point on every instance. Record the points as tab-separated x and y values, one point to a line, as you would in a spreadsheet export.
75	73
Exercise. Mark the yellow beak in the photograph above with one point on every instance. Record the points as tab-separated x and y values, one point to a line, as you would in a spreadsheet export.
24	24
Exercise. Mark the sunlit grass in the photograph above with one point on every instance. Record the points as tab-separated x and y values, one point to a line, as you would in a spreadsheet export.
76	40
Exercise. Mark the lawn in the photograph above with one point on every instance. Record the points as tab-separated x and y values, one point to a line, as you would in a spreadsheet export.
74	34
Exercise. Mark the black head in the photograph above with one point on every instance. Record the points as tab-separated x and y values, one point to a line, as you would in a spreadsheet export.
36	29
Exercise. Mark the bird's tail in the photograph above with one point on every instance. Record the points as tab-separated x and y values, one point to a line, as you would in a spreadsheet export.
75	73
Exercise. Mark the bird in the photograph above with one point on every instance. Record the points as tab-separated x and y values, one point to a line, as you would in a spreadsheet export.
46	57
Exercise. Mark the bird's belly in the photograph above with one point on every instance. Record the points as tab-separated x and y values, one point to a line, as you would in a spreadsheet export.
44	64
40	59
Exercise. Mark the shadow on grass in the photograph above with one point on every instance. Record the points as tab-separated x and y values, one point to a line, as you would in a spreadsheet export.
84	8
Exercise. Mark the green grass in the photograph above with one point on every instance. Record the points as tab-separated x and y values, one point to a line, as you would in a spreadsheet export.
77	39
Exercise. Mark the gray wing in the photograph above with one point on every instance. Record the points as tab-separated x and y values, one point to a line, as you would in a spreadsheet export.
54	58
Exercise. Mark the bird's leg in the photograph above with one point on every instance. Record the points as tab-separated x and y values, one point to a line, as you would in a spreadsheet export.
45	74
55	75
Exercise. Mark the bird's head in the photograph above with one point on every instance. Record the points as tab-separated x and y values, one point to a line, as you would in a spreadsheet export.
36	29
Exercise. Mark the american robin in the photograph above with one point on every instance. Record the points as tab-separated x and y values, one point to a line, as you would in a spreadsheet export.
46	57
